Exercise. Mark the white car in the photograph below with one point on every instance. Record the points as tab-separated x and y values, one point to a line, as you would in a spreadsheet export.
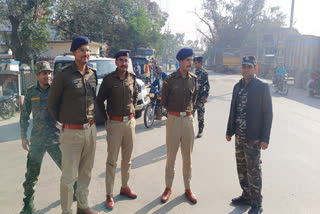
104	66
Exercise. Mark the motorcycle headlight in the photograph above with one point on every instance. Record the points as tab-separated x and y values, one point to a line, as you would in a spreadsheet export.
151	95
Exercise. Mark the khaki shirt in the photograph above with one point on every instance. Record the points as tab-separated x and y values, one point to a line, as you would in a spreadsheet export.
121	95
179	94
71	97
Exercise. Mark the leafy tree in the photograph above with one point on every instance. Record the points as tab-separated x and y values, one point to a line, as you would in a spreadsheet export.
229	23
120	23
28	20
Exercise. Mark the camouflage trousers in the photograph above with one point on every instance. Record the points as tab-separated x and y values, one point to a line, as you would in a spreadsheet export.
34	161
249	168
199	107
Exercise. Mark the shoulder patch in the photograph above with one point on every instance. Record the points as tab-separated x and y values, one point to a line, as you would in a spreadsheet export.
132	73
94	70
30	87
193	75
66	67
108	74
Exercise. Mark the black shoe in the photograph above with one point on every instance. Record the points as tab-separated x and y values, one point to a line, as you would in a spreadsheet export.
241	201
28	209
74	191
255	210
199	134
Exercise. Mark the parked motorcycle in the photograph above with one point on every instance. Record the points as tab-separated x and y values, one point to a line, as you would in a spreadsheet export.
314	84
7	106
280	86
154	110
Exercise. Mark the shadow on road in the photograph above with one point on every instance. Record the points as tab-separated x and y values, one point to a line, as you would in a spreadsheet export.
144	159
239	209
140	128
223	97
47	209
8	133
301	96
150	157
166	208
157	124
102	206
172	204
150	206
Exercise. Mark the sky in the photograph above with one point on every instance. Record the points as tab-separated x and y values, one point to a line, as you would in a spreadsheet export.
182	20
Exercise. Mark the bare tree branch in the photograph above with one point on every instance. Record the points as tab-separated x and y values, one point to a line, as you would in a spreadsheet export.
211	30
207	37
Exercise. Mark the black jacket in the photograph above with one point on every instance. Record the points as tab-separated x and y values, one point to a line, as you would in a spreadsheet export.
259	111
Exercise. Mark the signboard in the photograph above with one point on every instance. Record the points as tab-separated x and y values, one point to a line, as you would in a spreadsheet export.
9	67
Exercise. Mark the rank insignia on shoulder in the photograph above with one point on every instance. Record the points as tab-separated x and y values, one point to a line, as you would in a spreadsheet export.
35	98
31	86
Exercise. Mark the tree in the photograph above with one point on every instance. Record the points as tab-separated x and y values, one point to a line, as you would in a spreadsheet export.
123	23
173	43
229	23
28	20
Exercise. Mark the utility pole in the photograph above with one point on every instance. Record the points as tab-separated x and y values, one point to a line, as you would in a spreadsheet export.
291	17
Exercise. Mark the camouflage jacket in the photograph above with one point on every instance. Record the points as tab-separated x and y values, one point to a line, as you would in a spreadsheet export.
203	82
44	129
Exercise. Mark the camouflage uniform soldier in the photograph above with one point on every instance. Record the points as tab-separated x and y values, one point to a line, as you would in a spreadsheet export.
44	134
250	120
203	93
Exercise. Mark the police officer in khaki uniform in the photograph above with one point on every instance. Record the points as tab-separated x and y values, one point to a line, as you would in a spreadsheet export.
71	102
120	90
178	97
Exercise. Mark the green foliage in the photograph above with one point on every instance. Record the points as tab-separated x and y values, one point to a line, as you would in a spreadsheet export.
120	24
230	22
28	20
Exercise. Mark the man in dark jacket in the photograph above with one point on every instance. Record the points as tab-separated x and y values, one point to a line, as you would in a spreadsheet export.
250	121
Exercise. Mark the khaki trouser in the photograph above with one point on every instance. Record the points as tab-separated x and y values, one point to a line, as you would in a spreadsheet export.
78	150
179	130
119	134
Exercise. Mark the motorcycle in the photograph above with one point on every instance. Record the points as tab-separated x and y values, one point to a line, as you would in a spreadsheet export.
7	106
154	110
314	84
280	86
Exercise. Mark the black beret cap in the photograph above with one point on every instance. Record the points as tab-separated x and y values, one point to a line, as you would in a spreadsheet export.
198	59
184	53
122	52
77	42
249	60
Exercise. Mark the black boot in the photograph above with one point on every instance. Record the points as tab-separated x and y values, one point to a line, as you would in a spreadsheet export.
200	133
28	207
241	201
75	185
255	210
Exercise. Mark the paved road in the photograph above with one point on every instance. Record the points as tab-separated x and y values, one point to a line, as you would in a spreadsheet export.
291	169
